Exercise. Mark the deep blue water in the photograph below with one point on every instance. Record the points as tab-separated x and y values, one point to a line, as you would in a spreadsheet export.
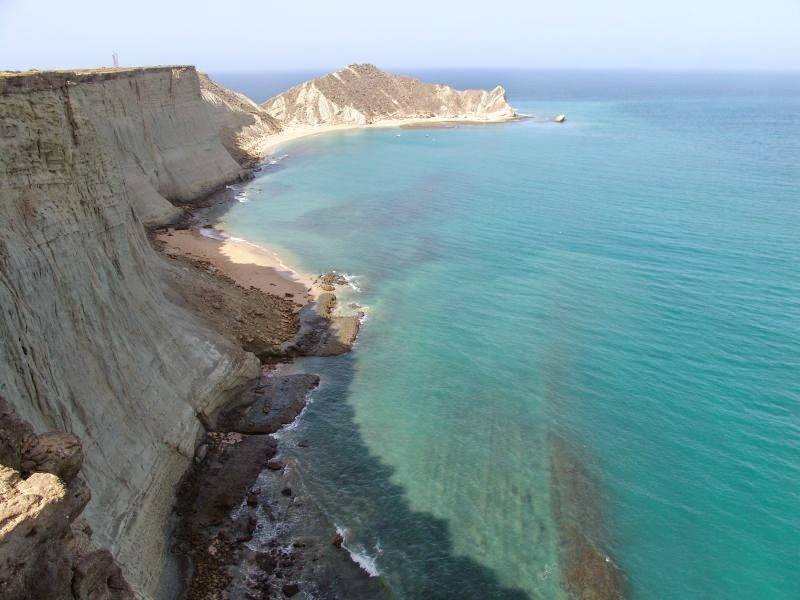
623	289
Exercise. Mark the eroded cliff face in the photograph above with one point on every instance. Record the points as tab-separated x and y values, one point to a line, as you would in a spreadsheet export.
155	123
92	340
363	94
244	126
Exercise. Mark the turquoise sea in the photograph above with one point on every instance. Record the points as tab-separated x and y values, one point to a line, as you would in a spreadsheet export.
579	336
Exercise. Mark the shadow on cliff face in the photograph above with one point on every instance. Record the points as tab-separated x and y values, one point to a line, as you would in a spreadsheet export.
412	550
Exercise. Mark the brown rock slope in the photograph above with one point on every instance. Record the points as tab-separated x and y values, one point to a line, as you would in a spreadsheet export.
45	547
363	94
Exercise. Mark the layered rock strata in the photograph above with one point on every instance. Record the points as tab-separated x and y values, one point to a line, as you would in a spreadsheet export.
93	339
244	127
363	95
153	122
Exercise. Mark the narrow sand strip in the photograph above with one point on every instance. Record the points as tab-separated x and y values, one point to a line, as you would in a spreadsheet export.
270	144
247	264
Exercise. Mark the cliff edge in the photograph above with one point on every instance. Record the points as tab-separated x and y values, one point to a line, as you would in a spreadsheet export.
244	127
364	95
155	123
46	550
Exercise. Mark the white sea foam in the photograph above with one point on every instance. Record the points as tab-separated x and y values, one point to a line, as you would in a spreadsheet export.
214	234
274	160
293	425
359	555
351	281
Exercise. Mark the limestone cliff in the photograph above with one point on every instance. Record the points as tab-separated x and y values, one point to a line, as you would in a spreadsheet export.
363	94
243	125
155	123
92	340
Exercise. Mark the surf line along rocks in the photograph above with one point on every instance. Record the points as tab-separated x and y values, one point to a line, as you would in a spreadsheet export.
219	504
241	530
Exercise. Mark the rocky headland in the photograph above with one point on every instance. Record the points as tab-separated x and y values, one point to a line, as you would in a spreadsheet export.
365	95
361	96
144	349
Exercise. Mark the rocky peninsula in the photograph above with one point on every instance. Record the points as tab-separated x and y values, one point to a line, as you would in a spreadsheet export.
364	96
142	350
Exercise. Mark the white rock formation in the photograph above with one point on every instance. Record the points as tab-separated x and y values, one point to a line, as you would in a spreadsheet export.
363	94
91	339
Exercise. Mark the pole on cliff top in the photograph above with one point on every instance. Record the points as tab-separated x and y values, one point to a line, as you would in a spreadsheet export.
115	58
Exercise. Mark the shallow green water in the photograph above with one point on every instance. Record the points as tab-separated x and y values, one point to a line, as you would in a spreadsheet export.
624	287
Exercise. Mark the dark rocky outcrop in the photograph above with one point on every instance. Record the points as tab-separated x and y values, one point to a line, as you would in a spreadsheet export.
276	402
211	536
323	333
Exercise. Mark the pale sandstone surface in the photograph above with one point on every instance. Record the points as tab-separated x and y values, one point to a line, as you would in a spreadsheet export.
364	95
243	126
89	341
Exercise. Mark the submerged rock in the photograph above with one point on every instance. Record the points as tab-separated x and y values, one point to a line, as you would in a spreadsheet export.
291	589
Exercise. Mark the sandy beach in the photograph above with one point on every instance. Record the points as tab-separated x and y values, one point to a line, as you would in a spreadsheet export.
272	143
247	264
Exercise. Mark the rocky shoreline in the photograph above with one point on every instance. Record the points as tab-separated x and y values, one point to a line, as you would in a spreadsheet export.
133	331
243	528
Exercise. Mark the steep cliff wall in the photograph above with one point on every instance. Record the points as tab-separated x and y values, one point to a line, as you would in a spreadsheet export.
363	94
91	341
155	123
243	125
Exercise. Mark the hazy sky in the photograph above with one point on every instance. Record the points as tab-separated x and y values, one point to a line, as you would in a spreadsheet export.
247	34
